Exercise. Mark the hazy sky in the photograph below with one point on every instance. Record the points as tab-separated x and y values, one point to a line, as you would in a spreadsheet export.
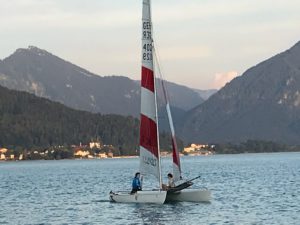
201	43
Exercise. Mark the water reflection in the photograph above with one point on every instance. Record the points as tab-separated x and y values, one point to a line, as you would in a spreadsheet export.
160	214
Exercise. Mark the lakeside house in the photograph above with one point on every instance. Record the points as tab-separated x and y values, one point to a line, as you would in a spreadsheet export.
4	154
102	155
198	149
3	150
95	144
79	153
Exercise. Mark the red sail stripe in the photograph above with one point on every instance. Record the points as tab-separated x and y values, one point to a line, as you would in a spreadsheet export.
148	135
148	79
175	153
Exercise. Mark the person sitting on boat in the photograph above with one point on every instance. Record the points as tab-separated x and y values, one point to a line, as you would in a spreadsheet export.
136	183
171	182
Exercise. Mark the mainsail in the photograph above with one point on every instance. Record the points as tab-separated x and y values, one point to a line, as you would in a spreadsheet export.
149	139
175	153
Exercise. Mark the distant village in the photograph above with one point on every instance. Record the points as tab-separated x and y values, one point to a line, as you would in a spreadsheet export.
199	149
94	150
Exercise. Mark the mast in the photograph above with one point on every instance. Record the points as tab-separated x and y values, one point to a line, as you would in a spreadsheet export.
149	135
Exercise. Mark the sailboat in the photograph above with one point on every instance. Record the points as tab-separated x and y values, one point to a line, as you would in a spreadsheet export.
150	163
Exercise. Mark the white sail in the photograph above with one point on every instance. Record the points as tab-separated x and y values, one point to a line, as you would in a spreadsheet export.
175	152
149	138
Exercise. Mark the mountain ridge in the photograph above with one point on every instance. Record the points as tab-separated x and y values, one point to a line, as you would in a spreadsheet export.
263	103
37	71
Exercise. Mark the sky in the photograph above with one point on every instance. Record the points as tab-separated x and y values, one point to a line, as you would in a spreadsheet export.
201	43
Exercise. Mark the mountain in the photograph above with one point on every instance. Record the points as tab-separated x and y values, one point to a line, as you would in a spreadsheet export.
43	74
181	97
33	122
262	104
39	72
205	94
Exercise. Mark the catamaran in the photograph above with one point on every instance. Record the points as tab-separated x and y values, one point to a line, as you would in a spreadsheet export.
149	135
150	163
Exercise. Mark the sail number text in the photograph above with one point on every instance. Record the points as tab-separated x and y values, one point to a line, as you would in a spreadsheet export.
150	161
147	43
147	25
147	30
147	52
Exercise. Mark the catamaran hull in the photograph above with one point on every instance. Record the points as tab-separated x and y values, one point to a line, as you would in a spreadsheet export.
155	197
190	195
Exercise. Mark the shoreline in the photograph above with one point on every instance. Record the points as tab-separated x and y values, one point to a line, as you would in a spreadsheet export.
135	157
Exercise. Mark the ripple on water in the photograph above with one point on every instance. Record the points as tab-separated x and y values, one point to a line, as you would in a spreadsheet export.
247	189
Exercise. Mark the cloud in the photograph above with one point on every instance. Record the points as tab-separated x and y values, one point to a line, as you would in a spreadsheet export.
221	79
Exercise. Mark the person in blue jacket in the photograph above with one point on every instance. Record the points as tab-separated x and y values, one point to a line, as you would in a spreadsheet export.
136	183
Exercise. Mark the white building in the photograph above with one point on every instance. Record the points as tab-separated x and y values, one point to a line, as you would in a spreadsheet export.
2	157
95	145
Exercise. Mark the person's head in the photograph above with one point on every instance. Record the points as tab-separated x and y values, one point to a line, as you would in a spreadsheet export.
137	175
170	175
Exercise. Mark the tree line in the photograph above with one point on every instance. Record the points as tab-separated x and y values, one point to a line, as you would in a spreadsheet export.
254	146
31	122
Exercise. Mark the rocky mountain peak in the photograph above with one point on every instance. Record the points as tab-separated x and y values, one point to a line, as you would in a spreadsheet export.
30	52
37	50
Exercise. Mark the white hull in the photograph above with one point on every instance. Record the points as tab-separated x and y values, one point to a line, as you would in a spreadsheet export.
190	195
156	197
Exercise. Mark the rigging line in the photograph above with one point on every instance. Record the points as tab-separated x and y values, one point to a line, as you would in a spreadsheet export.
159	68
167	100
162	80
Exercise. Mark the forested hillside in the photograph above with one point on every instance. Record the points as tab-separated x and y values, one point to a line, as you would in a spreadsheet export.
29	121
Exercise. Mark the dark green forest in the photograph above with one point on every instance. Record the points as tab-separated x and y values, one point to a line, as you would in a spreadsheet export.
30	122
254	146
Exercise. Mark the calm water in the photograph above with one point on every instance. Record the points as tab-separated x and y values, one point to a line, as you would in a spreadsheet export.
247	189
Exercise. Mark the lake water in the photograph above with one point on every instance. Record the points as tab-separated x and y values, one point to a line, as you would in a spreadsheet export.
247	189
